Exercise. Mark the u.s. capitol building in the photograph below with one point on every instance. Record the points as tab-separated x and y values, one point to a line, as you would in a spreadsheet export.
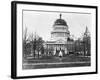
60	38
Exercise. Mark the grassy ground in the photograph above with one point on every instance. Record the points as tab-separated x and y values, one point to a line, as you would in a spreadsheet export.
56	62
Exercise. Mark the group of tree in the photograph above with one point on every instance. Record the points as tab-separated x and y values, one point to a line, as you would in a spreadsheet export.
32	44
83	44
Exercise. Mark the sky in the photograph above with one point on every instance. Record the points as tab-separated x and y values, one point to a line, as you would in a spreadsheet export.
41	23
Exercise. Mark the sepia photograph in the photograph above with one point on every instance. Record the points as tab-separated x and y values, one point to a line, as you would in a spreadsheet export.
53	39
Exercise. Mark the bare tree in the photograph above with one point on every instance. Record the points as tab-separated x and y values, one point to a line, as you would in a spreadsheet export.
39	45
25	34
32	43
26	45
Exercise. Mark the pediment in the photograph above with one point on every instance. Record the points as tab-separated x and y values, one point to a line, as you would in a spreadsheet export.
60	41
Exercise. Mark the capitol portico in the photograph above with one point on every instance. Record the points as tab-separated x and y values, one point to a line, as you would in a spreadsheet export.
60	37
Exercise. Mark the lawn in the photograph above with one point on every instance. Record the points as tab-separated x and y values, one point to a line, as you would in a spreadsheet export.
56	62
